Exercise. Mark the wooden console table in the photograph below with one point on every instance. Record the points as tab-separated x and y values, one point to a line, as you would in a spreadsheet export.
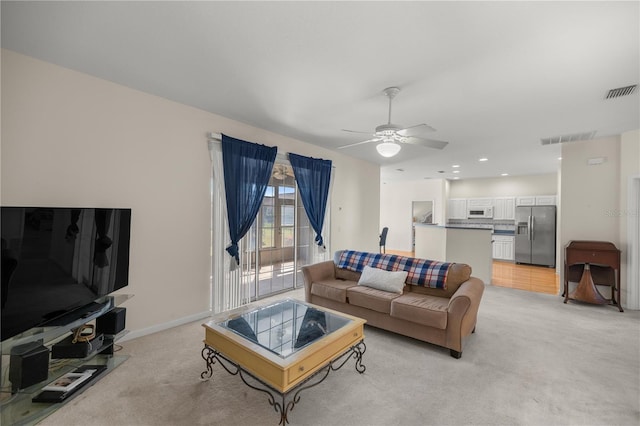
587	257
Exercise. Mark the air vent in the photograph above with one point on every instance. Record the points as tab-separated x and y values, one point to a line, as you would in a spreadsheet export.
568	138
621	91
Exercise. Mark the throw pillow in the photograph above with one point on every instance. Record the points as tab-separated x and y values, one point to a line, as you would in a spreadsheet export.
391	281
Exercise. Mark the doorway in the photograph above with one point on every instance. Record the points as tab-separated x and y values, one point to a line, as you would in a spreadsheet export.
279	242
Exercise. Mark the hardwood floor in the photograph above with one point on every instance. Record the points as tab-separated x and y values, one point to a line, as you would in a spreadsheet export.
539	279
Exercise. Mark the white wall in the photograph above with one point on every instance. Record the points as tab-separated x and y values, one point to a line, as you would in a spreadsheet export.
506	186
70	139
396	208
590	194
593	199
629	213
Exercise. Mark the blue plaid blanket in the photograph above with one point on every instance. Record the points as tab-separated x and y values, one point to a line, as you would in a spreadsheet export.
422	272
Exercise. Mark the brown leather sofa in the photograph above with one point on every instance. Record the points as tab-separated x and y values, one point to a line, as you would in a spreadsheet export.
439	316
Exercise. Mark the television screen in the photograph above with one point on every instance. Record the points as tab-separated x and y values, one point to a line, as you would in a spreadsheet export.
56	260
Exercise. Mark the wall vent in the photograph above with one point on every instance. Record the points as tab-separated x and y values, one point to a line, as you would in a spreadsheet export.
621	91
585	136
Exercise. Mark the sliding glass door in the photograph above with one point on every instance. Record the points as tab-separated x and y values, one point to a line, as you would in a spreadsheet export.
278	244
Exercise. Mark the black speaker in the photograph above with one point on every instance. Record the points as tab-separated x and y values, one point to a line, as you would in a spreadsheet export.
113	322
28	365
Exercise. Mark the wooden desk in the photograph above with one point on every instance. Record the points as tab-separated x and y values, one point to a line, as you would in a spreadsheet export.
593	254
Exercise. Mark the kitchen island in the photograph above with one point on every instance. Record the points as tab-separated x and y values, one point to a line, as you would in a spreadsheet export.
450	243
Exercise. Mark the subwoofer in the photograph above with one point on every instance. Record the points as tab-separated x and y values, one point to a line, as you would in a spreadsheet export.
28	365
113	322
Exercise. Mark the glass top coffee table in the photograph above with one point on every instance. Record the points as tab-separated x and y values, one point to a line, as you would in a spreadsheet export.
283	348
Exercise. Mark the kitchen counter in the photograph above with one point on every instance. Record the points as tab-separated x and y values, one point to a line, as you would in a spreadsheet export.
454	243
503	232
456	226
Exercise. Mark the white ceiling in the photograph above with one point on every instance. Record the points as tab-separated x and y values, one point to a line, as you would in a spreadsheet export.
492	77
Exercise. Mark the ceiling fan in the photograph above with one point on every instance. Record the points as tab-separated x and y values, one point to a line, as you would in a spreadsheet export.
391	136
281	171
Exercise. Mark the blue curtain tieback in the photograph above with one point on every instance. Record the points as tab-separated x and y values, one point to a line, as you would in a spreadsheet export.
233	252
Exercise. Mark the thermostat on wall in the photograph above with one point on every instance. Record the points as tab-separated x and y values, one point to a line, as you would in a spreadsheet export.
596	160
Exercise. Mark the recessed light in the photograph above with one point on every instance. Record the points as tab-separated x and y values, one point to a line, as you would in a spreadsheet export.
483	159
559	158
456	166
504	174
456	171
456	178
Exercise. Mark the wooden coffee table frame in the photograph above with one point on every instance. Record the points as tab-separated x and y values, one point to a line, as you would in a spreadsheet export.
283	379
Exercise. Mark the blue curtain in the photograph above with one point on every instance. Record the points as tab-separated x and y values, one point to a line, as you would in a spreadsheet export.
313	176
247	170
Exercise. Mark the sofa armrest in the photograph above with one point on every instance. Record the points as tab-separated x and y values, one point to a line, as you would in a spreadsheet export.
463	312
317	272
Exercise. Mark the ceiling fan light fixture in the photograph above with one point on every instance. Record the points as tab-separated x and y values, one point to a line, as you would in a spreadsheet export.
388	149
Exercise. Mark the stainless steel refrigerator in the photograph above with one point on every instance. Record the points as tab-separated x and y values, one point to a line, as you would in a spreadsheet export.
535	237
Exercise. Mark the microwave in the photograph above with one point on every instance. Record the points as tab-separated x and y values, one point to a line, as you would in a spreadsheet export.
481	212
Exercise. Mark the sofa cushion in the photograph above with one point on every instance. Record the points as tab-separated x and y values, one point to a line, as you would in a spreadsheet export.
332	289
391	281
421	309
345	274
370	298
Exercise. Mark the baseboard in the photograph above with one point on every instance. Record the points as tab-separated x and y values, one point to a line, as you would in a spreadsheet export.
164	326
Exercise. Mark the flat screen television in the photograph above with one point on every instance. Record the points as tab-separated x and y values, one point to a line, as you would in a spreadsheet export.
56	261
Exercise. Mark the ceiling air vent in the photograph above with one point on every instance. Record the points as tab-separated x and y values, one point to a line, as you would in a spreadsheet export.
621	91
585	136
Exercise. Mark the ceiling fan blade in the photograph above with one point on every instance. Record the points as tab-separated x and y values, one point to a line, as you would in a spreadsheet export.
355	131
429	143
415	130
360	143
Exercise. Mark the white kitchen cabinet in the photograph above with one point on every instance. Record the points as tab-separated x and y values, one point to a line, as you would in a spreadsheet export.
526	201
503	247
536	200
509	248
504	208
479	202
457	208
545	200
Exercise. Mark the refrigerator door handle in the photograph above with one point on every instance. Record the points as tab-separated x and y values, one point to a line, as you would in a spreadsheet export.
529	228
533	227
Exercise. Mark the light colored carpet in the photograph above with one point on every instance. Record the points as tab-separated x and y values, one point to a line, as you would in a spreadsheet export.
532	361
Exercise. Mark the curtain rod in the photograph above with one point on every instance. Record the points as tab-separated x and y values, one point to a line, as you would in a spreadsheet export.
217	137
